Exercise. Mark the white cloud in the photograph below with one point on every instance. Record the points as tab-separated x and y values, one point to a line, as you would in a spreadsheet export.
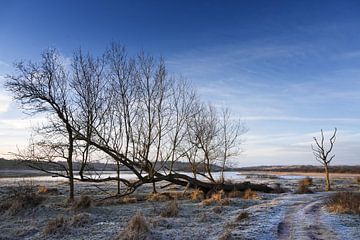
5	101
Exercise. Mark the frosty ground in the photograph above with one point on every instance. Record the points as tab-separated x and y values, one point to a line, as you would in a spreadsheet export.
265	216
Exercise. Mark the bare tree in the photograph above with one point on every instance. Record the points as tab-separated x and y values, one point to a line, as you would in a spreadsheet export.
130	110
322	154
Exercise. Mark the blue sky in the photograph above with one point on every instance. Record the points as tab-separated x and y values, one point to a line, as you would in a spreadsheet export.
287	68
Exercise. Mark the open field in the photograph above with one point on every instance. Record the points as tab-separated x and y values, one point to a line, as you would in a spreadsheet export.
259	216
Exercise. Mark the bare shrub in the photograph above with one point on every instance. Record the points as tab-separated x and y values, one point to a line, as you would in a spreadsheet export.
235	194
83	202
197	195
243	215
55	226
304	185
171	210
137	229
344	202
250	194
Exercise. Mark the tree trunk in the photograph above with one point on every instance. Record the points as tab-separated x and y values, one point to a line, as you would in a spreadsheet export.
328	186
70	165
118	176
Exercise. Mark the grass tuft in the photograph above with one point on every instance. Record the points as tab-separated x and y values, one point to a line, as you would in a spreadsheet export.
344	202
304	186
242	216
137	228
250	194
197	195
171	210
83	202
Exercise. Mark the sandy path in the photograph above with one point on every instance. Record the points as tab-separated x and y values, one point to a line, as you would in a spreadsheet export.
302	220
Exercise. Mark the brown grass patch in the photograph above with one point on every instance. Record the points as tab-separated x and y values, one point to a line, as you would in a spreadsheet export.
128	199
158	197
250	194
83	202
20	198
197	195
137	228
60	224
170	210
344	202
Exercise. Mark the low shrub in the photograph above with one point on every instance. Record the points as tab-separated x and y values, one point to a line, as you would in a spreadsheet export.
137	228
304	186
83	202
197	195
170	210
250	194
344	202
235	194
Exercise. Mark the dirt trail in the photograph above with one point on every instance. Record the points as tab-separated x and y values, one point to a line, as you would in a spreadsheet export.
302	220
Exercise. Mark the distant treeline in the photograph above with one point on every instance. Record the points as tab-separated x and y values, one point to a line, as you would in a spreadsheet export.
96	166
302	168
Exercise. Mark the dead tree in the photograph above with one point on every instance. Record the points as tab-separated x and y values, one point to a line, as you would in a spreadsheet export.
322	154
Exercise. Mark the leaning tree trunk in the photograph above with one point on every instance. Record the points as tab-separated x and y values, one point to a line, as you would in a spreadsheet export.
328	185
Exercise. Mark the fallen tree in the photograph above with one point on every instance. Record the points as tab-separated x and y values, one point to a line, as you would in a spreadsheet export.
128	111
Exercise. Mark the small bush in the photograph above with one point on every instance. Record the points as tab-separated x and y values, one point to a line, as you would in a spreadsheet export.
137	228
304	185
218	196
249	194
242	216
55	226
171	210
83	202
197	195
235	194
344	202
